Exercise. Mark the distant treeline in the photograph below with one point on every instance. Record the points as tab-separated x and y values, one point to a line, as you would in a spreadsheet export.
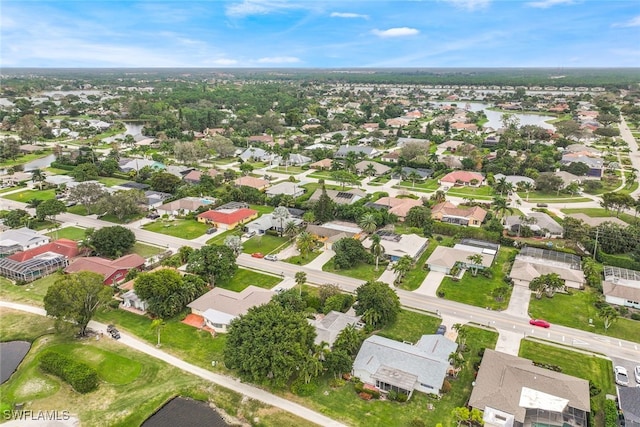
574	77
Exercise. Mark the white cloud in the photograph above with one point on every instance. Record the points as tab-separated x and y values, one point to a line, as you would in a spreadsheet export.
223	62
262	7
396	32
348	15
278	60
545	4
633	22
469	4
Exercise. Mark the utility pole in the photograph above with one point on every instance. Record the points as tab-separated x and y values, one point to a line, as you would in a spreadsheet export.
595	247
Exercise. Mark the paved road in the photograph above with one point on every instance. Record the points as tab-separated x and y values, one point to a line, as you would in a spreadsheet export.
222	380
634	154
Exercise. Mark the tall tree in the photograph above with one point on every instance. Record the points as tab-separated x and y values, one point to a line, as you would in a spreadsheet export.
121	204
76	297
608	315
213	262
301	279
88	194
324	208
38	177
305	243
112	241
50	208
401	267
377	250
234	243
157	325
281	214
475	262
381	300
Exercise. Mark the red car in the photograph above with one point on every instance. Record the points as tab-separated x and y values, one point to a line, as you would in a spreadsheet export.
257	255
539	322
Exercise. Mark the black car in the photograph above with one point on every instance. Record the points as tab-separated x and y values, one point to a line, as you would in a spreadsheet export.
115	334
441	330
153	216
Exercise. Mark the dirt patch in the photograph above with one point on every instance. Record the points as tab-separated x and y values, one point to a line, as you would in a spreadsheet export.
35	386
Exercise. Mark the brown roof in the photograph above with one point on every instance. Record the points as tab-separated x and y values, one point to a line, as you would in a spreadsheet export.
195	175
399	207
103	266
230	302
324	163
463	176
502	377
249	181
448	208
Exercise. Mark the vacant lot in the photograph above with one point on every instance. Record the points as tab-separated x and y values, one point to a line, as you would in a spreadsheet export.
183	228
243	278
264	244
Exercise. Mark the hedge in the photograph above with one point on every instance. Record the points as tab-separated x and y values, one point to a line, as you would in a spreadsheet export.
610	413
80	376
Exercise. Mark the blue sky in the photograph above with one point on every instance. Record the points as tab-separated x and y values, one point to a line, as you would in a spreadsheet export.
317	33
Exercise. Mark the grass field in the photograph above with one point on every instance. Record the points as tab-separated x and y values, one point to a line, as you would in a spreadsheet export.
133	385
477	290
361	271
601	213
262	209
299	260
110	181
26	195
410	326
575	309
244	278
71	233
264	244
31	293
183	228
146	251
26	158
219	239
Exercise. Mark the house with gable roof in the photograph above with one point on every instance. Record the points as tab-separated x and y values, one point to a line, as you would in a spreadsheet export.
113	271
20	239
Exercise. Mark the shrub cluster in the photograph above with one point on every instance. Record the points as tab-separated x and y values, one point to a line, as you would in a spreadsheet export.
80	376
548	366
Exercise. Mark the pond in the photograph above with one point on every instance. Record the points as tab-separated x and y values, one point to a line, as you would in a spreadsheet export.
185	412
495	117
11	354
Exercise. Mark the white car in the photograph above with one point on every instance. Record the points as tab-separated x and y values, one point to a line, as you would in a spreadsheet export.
622	378
636	373
271	257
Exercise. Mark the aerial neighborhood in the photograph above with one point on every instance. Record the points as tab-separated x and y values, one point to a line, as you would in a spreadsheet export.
337	250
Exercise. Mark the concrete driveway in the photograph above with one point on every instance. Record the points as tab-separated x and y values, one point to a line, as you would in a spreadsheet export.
519	302
430	284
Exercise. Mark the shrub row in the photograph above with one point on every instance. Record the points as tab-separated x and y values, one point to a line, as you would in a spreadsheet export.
80	376
548	366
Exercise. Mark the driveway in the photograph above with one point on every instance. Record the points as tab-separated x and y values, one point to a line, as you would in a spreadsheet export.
519	302
222	380
430	284
321	260
509	342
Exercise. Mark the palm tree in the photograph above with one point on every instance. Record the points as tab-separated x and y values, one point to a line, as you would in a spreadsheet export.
501	206
476	262
280	214
527	187
305	243
350	160
438	197
290	229
402	267
538	286
376	248
370	170
501	185
158	325
38	176
368	223
553	283
413	177
301	279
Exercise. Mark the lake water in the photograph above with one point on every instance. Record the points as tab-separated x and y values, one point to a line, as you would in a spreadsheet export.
496	116
11	354
185	413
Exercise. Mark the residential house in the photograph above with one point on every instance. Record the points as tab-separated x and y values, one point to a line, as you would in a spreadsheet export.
131	185
267	139
29	265
156	198
58	179
268	222
256	154
464	178
621	286
444	258
131	300
219	306
330	232
288	188
402	141
595	164
514	179
540	223
227	219
391	157
328	326
452	214
20	239
129	165
513	392
397	246
534	262
450	146
184	206
393	365
393	205
323	164
406	171
491	141
113	271
567	177
249	181
194	176
379	169
359	150
452	162
339	197
295	159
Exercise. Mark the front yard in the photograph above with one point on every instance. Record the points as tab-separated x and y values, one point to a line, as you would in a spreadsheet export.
71	233
477	290
243	278
361	271
26	195
183	228
264	244
410	326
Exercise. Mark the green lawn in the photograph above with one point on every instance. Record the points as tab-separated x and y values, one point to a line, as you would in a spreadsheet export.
183	228
428	185
110	181
484	191
72	233
265	244
477	290
539	196
580	305
78	210
299	260
116	220
262	209
585	366
31	293
26	158
292	170
361	271
601	213
243	278
146	251
219	239
415	277
134	385
410	326
25	196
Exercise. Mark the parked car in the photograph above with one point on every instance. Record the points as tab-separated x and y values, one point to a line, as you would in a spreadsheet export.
271	257
539	322
442	329
211	230
622	378
542	205
115	334
257	255
636	373
153	216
